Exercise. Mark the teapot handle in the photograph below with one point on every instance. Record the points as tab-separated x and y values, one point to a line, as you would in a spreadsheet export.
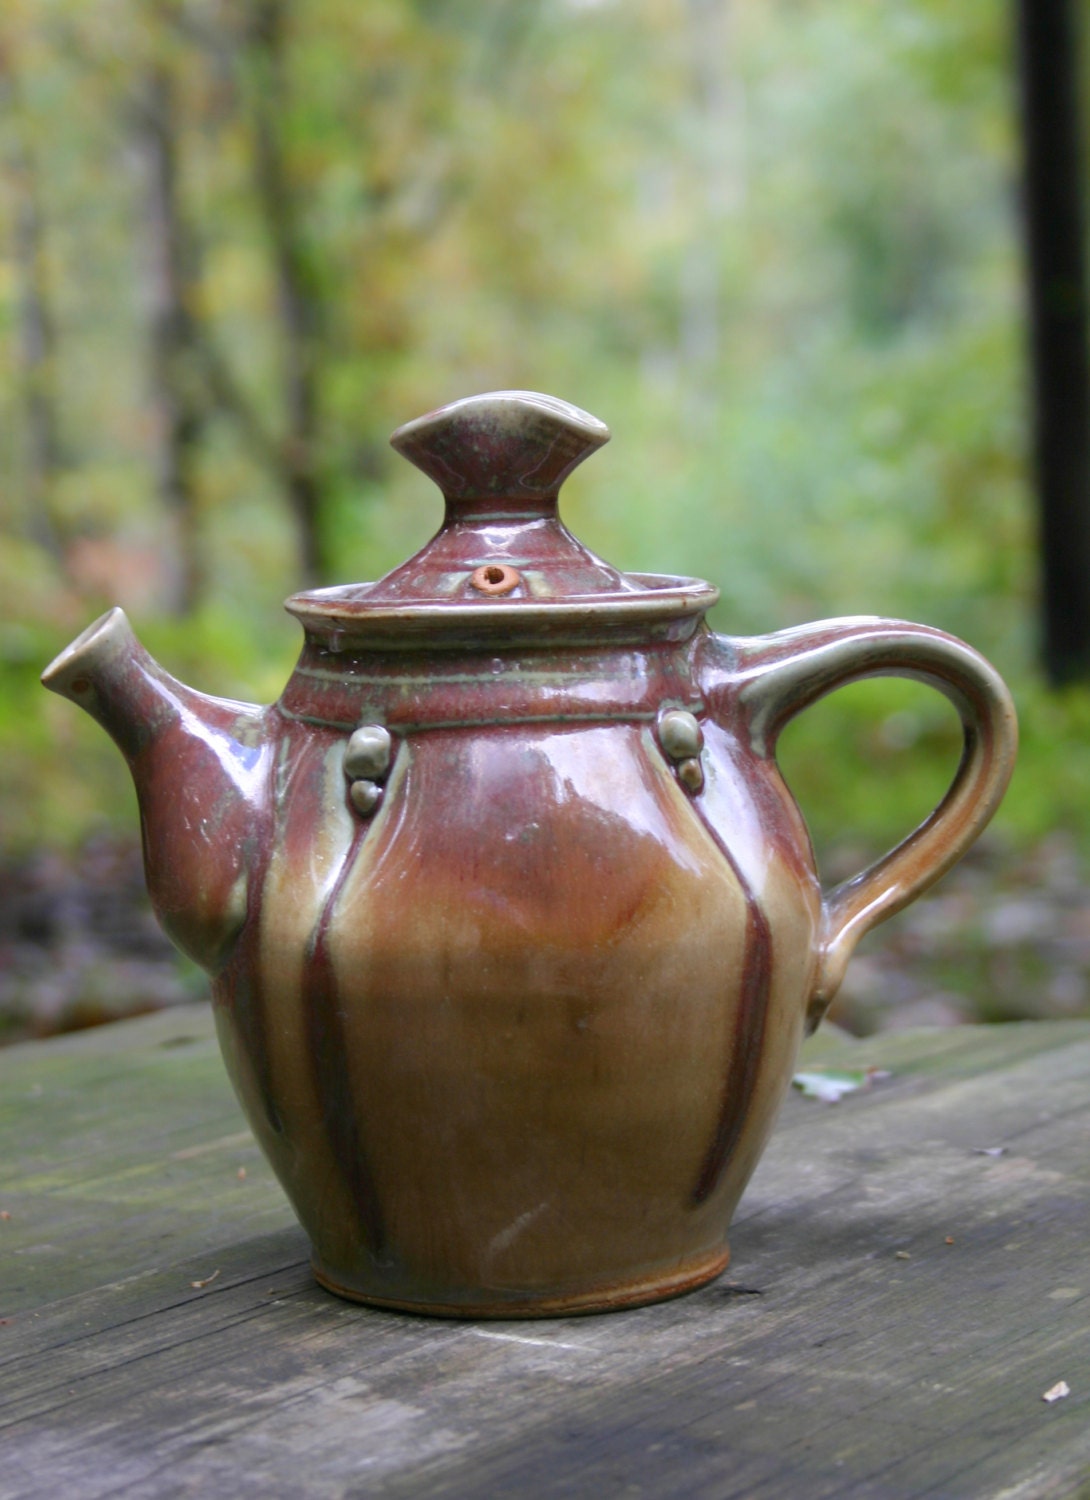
772	678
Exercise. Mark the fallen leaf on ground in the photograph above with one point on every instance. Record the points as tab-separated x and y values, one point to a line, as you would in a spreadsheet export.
831	1087
208	1280
1057	1392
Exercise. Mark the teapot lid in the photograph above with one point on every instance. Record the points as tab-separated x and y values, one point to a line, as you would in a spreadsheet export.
502	568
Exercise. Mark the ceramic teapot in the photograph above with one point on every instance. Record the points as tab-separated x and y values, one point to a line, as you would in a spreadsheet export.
513	926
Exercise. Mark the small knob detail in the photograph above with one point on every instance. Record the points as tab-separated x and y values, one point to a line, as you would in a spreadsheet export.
367	759
368	752
680	734
366	796
682	739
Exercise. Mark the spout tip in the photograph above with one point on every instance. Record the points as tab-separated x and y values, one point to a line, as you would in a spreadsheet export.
72	672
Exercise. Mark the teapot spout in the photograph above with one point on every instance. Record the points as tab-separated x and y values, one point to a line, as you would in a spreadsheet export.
200	766
106	671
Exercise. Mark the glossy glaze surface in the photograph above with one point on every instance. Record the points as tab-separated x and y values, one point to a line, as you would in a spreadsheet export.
512	924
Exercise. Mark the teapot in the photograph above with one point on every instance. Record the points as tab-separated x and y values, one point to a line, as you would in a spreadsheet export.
513	927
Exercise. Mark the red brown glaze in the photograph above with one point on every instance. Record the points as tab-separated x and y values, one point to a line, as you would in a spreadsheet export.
747	1043
511	990
201	769
325	994
760	684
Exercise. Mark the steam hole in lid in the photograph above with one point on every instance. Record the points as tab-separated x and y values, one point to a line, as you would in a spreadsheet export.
494	578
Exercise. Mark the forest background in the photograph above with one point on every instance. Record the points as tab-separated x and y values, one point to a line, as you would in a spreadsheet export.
773	243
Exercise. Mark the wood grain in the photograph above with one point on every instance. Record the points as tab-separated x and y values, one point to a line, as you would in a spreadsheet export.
852	1350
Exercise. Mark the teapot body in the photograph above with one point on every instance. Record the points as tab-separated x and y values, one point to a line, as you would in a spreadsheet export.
512	924
513	1038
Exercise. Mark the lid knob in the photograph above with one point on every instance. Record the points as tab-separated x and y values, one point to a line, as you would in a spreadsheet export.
513	446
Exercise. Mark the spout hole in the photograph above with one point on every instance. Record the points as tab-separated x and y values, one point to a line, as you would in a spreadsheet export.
80	685
494	578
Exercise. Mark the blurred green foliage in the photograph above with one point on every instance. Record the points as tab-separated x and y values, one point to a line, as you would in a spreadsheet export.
773	245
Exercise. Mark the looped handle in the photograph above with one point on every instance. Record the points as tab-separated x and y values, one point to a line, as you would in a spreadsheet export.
775	677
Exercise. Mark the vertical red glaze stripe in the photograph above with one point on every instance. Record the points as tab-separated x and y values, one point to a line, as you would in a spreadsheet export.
329	1059
242	991
749	1030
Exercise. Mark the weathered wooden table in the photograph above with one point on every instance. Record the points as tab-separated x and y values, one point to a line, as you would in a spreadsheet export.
899	1303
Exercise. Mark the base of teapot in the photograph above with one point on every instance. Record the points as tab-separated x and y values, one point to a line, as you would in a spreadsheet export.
614	1297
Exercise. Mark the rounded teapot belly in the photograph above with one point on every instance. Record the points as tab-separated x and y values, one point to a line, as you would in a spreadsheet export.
514	1042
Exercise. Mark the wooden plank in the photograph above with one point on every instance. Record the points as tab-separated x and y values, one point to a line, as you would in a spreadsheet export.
118	1146
825	1363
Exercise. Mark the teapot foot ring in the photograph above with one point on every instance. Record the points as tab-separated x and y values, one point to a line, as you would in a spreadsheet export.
688	1277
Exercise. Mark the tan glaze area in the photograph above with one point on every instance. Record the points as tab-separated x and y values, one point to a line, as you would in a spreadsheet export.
262	1021
505	1052
462	1095
540	1005
511	995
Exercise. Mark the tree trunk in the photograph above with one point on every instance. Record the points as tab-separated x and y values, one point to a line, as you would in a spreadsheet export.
37	334
1055	240
178	409
297	294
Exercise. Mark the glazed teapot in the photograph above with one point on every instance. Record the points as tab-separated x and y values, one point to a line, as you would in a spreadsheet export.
513	927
